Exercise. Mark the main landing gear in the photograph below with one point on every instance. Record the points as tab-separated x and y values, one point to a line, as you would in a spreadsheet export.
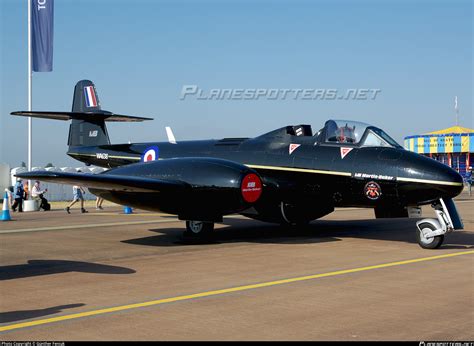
198	230
430	234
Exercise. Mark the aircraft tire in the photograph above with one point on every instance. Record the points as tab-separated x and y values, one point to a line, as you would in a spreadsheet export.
198	230
425	243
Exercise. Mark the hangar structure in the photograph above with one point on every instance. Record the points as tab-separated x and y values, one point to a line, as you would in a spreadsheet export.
453	146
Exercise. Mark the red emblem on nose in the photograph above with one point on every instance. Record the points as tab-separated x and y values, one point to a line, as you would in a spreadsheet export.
251	188
372	190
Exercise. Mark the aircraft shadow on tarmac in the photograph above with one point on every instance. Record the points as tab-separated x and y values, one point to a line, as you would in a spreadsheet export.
21	315
48	267
264	234
320	231
399	230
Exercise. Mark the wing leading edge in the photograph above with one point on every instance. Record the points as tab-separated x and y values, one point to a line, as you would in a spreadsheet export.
111	182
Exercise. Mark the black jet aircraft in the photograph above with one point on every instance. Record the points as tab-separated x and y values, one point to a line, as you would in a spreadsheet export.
290	175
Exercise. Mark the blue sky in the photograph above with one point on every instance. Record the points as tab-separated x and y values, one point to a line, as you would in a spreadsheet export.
141	53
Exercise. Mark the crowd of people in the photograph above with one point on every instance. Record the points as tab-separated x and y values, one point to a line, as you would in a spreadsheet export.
19	193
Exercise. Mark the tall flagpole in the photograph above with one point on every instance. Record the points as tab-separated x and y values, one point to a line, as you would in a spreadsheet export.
29	96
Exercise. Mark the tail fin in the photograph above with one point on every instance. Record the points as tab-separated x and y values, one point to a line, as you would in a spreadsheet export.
91	131
88	119
85	98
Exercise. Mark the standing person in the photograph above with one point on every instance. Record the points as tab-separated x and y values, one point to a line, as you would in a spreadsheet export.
98	203
19	195
25	188
78	192
37	194
469	180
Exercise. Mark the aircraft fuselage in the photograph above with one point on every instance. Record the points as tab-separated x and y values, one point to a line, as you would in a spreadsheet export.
305	173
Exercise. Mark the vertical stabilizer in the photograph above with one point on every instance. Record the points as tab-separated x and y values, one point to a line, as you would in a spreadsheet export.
85	98
90	132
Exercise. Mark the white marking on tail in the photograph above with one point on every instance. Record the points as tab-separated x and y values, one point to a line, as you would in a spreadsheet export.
170	135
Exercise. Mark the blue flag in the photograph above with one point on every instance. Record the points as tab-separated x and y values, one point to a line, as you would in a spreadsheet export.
42	24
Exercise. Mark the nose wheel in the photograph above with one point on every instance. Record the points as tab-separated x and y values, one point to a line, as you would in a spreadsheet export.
425	229
430	233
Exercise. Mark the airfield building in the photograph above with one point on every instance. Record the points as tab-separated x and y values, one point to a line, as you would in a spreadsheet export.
453	146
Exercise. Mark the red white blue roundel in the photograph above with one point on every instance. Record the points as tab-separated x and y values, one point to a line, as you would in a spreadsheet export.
151	154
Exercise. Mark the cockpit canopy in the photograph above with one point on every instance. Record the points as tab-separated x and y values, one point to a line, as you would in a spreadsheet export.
354	132
348	132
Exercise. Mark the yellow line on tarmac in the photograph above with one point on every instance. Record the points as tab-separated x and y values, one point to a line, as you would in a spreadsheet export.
222	291
56	228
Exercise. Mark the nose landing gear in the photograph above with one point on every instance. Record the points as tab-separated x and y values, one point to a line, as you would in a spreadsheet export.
430	234
425	235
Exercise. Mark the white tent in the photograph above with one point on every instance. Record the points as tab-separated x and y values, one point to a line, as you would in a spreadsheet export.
4	178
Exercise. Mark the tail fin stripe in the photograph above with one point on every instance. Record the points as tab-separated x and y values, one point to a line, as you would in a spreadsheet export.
91	100
94	100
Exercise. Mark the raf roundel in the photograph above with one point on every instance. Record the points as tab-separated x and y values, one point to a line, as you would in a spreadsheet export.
150	154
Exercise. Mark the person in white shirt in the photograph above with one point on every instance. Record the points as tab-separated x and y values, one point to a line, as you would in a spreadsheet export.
37	195
36	192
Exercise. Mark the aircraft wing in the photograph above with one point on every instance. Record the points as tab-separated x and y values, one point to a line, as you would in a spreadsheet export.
111	182
103	115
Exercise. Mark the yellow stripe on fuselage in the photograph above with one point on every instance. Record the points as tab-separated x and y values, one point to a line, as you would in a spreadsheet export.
347	174
302	170
426	181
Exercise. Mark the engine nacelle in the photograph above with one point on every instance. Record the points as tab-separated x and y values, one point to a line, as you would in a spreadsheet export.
212	187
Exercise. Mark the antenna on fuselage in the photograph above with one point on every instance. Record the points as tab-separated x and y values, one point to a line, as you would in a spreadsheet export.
170	135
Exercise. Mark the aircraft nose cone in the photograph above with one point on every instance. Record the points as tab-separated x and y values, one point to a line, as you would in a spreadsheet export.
428	180
452	181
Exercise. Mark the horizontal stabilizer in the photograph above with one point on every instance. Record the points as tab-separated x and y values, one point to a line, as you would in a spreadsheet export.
88	116
104	181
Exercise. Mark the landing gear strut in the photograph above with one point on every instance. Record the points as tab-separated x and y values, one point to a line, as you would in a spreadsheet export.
430	234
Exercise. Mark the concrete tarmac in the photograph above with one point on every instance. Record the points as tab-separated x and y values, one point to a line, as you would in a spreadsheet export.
109	276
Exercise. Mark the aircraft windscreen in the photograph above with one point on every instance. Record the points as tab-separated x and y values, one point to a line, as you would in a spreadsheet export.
344	131
385	137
